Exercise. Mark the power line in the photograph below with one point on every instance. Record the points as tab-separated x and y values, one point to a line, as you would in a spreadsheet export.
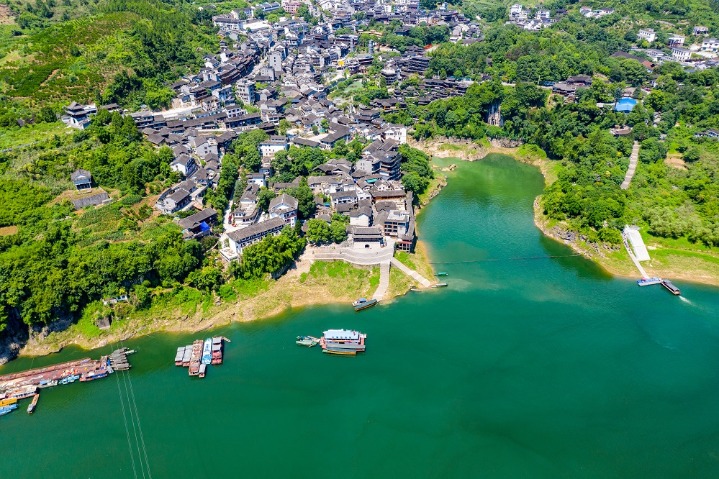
519	258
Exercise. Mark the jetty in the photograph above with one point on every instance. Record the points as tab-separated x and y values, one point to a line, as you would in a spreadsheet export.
26	384
637	251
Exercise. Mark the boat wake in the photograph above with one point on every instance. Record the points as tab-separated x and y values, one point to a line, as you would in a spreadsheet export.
686	300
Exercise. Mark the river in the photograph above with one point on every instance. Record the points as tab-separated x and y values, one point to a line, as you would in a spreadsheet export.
525	366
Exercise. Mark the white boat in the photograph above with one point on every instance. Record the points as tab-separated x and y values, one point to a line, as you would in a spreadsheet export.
207	351
343	341
308	341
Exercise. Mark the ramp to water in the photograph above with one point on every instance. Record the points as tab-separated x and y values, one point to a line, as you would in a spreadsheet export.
637	243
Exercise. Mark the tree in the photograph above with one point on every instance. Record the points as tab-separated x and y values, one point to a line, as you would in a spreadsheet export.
305	199
264	197
318	232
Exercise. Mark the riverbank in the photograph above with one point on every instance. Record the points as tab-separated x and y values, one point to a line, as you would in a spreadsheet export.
469	150
308	283
672	259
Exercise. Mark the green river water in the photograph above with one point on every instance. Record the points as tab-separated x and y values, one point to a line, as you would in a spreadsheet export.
522	368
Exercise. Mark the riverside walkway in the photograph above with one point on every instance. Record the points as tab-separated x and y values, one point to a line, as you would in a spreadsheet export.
633	160
411	273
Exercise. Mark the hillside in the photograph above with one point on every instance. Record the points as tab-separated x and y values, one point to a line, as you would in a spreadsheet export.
123	51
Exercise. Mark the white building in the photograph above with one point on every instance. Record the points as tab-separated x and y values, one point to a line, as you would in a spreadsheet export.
680	54
275	144
647	34
710	45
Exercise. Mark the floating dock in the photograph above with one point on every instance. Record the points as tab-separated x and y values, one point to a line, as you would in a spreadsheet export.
196	356
25	384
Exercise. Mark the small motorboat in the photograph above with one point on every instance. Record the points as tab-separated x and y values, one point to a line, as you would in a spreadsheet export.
363	303
439	285
441	273
308	341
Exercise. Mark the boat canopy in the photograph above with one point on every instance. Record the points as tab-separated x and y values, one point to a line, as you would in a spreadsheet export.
341	334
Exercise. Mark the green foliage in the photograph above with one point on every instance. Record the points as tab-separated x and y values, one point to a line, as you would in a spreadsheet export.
416	169
320	232
264	197
244	153
305	199
148	42
297	161
269	256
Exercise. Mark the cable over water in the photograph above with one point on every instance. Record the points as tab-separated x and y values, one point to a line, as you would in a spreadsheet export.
518	258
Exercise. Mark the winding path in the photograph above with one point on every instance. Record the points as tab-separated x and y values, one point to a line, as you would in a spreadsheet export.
633	160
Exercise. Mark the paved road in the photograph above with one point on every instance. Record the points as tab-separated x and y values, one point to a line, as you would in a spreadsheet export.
383	281
633	160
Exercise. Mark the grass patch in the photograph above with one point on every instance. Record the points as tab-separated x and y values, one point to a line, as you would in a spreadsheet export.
399	283
417	261
342	279
17	138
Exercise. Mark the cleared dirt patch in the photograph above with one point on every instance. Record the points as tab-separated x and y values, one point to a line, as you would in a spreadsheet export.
8	230
675	161
6	17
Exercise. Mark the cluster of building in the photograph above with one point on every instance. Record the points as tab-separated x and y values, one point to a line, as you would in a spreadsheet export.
267	74
532	20
700	54
588	12
368	192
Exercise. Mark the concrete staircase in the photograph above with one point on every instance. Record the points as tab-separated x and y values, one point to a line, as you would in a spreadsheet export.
633	160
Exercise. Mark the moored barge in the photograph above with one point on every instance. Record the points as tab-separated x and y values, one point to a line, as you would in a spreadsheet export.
31	407
343	342
670	287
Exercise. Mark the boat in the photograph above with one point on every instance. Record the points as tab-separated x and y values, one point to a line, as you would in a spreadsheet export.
203	370
24	392
196	357
207	351
180	354
48	383
439	285
441	273
308	341
670	287
92	375
187	356
648	281
363	303
340	352
343	341
216	350
31	407
7	409
69	379
7	401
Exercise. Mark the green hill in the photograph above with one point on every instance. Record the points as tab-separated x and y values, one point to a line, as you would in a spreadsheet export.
123	52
